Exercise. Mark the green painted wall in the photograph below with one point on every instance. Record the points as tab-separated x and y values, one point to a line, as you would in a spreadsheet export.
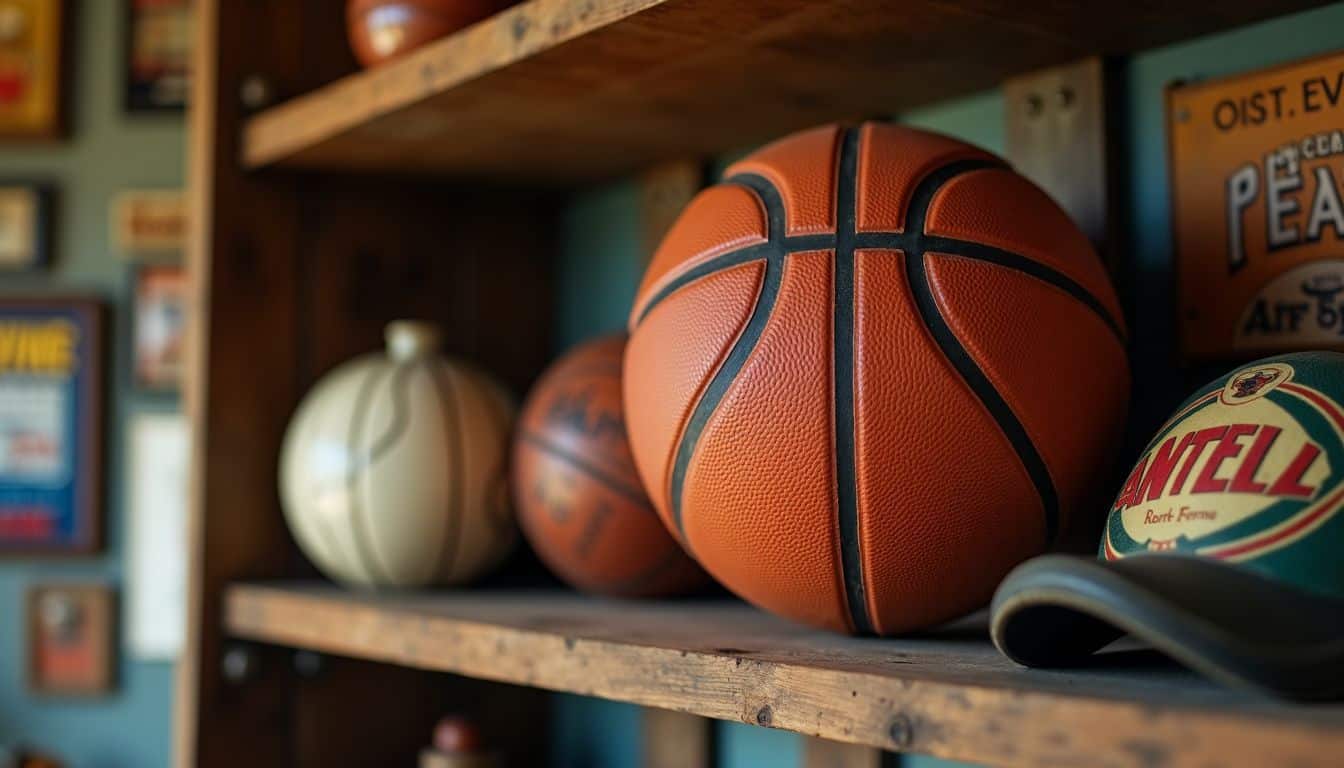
107	151
603	250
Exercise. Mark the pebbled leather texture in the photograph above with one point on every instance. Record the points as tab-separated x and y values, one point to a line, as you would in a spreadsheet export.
719	219
894	159
1052	379
762	483
579	500
802	167
667	364
945	506
860	439
1024	220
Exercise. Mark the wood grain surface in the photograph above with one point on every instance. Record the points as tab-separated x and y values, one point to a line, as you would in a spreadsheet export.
559	90
949	694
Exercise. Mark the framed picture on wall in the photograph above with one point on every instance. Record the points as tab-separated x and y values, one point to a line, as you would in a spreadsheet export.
158	54
25	225
51	422
149	223
32	68
159	326
71	639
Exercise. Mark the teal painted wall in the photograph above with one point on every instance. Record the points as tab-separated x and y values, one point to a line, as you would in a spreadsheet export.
108	151
602	250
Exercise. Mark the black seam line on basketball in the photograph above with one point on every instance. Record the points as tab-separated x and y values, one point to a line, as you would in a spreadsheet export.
363	551
449	548
597	473
846	484
947	341
742	348
730	259
1010	260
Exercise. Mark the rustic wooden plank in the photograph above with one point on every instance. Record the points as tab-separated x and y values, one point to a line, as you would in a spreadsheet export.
950	694
581	89
289	275
824	753
664	190
242	277
677	740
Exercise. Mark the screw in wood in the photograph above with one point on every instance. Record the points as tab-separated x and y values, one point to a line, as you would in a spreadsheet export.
308	664
255	92
901	731
1035	105
764	715
239	664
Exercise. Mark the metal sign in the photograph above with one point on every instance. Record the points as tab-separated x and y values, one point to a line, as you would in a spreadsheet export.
1257	164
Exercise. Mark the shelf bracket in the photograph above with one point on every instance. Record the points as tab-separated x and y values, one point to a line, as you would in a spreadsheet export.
1058	134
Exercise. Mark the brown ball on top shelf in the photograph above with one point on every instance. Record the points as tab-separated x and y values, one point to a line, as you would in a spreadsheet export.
385	29
578	498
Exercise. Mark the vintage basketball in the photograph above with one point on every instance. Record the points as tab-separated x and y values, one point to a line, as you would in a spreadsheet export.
578	497
392	468
871	372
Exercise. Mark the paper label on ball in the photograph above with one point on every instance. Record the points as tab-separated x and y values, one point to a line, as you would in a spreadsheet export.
1242	470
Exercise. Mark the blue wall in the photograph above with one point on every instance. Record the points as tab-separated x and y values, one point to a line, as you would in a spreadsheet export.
600	270
107	152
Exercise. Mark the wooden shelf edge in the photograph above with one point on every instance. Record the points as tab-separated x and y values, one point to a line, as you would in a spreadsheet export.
357	101
809	693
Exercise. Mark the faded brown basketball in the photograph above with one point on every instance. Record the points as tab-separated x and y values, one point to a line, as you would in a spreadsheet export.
578	497
871	372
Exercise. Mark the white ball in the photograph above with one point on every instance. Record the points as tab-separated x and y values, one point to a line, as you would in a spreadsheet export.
392	471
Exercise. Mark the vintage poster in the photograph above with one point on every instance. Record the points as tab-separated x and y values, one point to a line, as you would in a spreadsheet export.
50	425
1257	167
158	52
149	222
160	326
31	63
25	211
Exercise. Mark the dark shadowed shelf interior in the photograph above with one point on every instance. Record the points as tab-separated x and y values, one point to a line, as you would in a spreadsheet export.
623	84
949	694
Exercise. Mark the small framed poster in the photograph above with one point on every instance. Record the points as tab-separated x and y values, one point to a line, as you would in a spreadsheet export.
158	54
25	225
71	631
1258	210
149	222
32	68
51	421
160	326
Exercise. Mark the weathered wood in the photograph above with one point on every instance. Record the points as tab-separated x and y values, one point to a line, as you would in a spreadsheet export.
1057	134
677	740
290	275
949	695
824	753
664	191
583	89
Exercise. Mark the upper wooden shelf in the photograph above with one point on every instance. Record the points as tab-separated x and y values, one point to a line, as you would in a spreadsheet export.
950	694
572	90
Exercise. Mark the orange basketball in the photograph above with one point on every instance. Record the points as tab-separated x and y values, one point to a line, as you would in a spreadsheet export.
871	372
574	483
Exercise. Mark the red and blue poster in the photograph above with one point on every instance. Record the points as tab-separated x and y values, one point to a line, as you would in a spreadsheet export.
50	425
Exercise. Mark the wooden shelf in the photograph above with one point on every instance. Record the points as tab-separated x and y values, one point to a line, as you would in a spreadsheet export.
950	695
571	90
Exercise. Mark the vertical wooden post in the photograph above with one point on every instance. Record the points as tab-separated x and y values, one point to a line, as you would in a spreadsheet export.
677	740
822	753
664	191
1058	134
